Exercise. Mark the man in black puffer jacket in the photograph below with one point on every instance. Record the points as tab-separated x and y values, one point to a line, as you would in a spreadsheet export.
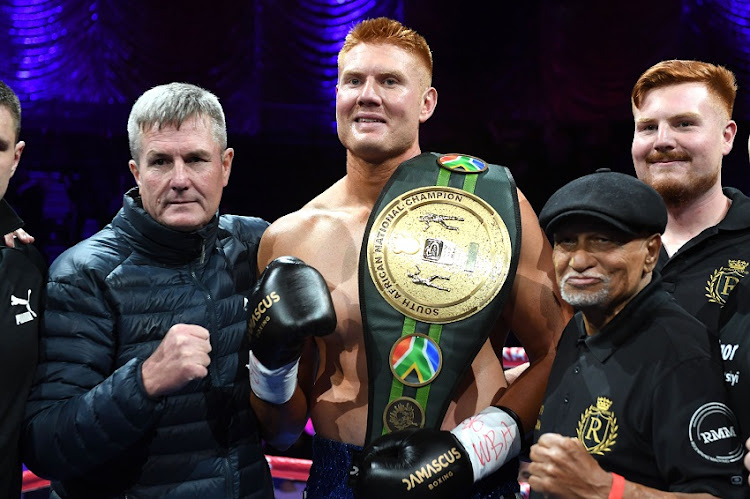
141	388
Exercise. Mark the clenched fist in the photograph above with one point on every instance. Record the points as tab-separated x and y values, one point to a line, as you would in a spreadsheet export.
562	467
181	357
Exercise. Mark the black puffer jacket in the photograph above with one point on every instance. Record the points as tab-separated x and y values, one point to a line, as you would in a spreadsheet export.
90	427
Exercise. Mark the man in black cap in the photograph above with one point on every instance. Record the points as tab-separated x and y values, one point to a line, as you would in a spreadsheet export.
635	401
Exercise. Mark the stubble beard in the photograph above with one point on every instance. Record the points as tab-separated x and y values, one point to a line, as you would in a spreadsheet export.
680	192
582	299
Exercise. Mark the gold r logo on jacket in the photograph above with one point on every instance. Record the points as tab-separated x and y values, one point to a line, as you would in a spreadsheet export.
597	428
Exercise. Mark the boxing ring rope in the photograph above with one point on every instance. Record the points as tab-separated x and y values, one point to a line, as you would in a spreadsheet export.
285	468
33	482
290	468
514	356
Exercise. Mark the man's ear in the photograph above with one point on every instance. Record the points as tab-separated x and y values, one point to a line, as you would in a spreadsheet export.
17	156
226	164
136	173
429	103
730	132
653	246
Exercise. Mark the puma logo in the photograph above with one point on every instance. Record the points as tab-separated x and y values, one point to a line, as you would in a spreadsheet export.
27	316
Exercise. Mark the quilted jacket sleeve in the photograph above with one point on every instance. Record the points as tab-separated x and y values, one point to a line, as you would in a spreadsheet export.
82	412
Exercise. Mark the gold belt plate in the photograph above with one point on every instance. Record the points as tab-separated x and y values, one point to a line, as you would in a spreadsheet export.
438	254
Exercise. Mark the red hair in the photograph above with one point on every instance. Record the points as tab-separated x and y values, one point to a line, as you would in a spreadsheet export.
720	81
383	30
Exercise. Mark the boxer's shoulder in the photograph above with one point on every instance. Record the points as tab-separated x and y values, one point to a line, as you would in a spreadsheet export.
335	210
301	233
302	223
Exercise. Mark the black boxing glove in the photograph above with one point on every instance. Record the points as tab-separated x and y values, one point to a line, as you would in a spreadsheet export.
417	464
429	463
289	303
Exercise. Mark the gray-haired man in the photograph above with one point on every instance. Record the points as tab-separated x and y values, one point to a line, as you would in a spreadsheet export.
141	388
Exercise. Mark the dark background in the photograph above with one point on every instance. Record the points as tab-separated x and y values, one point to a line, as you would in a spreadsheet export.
539	86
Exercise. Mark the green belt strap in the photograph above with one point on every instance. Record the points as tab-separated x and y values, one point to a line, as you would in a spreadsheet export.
410	325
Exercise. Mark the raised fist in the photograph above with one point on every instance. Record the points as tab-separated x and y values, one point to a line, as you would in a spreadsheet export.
181	357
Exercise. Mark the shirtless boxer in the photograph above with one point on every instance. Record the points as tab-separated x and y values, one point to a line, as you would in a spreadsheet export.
383	94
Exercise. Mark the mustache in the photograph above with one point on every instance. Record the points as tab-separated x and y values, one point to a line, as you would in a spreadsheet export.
659	156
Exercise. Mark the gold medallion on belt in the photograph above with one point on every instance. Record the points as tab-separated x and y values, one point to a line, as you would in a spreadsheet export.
402	414
438	254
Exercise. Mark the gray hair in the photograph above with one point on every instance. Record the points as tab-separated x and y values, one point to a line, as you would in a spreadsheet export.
172	104
9	100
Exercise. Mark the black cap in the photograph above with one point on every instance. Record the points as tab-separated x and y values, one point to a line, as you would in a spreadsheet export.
622	201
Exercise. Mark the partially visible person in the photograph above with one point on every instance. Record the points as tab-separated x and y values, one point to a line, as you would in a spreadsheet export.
734	331
635	405
683	129
141	388
384	93
22	276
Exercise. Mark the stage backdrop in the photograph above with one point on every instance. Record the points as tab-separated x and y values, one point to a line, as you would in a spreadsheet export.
540	86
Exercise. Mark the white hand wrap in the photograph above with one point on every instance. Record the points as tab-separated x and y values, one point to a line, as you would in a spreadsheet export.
490	438
275	386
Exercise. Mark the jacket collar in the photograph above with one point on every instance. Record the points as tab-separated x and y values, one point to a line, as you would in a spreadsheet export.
738	216
628	322
160	242
9	220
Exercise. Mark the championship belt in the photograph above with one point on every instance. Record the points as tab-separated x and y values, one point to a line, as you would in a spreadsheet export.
437	263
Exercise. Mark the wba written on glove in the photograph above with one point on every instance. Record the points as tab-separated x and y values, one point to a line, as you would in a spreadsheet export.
290	302
429	463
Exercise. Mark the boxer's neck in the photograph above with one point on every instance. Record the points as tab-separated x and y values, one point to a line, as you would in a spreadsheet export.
367	179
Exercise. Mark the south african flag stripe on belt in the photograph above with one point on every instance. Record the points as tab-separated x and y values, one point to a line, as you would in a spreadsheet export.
458	162
415	359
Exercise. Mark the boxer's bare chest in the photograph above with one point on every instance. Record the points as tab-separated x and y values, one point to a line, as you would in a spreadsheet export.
340	391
